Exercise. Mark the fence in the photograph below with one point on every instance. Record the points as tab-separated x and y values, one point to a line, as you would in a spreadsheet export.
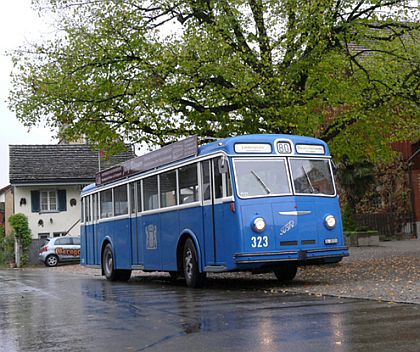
34	250
384	223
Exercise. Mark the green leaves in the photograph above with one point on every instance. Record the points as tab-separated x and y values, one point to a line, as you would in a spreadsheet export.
131	70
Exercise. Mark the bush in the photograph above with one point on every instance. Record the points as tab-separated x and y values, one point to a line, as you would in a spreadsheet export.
22	234
7	244
348	219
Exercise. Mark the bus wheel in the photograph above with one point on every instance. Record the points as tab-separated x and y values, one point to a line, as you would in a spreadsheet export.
286	272
108	267
193	277
123	275
108	263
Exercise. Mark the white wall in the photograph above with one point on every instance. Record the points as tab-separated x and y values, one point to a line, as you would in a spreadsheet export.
52	221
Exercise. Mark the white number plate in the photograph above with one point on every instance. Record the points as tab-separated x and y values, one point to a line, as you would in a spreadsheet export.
259	241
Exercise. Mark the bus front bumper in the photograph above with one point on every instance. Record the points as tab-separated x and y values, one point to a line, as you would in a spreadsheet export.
310	256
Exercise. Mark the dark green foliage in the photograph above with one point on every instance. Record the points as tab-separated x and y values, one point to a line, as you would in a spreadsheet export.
22	233
6	247
355	179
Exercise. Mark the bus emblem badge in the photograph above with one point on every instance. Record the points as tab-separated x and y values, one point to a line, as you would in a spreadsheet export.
289	225
151	239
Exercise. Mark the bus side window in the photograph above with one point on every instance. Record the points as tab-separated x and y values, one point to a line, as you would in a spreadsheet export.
188	184
222	182
205	172
229	191
218	179
132	192
120	200
82	208
168	189
95	207
106	203
150	193
87	209
139	206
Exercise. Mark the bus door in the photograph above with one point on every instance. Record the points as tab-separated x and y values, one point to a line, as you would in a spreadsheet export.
95	217
149	229
90	231
134	188
214	210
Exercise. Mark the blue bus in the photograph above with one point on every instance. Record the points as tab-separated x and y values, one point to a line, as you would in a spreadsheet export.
255	203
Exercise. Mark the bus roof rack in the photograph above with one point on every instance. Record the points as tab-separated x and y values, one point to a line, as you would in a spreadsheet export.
172	152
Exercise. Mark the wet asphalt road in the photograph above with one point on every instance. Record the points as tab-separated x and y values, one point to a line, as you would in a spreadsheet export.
49	311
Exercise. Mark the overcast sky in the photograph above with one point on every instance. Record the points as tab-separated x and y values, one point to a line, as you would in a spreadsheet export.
18	24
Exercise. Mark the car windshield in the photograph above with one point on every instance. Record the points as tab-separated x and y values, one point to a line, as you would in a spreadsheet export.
312	176
257	177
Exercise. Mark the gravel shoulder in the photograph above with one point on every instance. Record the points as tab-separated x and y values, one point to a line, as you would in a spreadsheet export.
388	272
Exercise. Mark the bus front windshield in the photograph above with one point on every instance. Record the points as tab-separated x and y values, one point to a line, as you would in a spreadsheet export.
261	177
312	176
269	177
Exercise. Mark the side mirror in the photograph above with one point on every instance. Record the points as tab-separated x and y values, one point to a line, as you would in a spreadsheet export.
223	165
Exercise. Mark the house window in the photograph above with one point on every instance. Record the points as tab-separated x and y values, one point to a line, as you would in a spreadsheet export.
43	235
48	200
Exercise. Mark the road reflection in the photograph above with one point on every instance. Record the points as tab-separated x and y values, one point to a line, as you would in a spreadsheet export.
47	311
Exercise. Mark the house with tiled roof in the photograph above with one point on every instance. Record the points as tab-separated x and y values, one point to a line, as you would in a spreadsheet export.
46	181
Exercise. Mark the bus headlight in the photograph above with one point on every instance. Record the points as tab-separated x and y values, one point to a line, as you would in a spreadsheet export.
258	225
329	222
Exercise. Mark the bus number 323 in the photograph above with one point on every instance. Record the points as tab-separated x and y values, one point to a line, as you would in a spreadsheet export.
259	241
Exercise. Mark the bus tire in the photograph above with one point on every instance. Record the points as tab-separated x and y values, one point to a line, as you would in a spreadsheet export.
123	275
286	272
193	277
108	268
108	263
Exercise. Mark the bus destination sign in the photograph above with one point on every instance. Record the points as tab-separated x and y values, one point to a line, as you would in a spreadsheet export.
165	155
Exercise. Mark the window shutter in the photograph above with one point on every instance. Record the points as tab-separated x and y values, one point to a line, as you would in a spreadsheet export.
35	201
62	200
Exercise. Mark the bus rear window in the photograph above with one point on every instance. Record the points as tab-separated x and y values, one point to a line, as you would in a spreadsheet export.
311	176
259	178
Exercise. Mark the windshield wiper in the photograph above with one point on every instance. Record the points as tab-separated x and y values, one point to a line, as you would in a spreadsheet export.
261	182
308	179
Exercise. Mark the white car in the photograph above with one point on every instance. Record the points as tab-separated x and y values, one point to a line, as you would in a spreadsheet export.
60	249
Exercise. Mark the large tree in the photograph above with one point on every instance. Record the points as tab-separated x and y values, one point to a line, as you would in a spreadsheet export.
346	71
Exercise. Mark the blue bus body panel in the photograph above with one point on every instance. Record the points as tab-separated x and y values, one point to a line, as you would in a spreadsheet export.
160	234
227	234
170	228
83	246
117	232
151	232
191	223
289	235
